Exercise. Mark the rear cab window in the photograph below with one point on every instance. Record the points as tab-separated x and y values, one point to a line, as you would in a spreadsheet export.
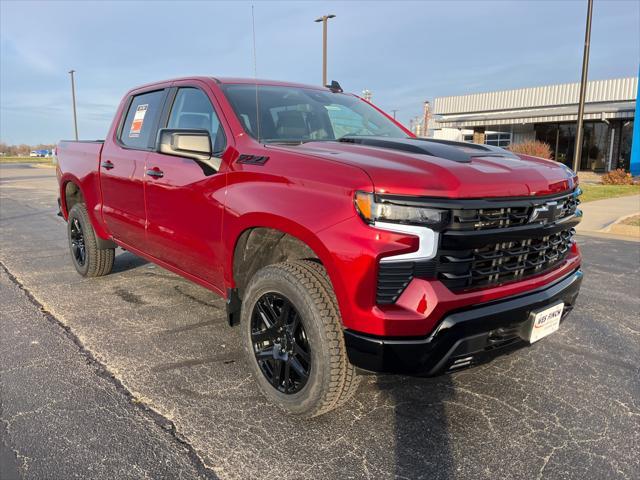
141	122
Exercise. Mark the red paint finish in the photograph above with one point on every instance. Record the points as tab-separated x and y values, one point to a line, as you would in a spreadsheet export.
188	238
189	221
409	174
78	164
123	207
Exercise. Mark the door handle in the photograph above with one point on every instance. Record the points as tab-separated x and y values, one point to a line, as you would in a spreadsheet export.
107	164
155	172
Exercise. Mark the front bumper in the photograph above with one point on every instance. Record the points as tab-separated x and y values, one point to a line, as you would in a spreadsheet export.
463	338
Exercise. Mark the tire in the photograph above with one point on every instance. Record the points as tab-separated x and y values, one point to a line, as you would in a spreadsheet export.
331	380
94	262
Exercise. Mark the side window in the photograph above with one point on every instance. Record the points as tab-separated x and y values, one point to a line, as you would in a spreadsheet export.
141	119
192	109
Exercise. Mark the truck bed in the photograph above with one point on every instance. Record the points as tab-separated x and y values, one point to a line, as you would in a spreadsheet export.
79	162
80	157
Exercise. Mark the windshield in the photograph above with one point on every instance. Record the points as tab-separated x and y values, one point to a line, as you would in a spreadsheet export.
297	115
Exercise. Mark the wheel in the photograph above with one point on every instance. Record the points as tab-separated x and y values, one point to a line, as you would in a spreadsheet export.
293	339
89	260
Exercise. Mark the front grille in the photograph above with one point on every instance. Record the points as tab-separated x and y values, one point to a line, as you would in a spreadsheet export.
489	243
569	205
502	262
473	219
485	218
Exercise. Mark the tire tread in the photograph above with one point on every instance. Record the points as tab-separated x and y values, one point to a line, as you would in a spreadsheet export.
100	261
342	380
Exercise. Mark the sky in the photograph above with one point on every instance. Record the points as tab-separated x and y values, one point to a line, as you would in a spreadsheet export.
404	52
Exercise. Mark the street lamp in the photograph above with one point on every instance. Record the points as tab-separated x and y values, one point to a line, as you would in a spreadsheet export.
324	19
583	89
73	98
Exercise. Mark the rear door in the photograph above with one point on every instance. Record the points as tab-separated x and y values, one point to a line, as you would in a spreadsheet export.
184	198
122	167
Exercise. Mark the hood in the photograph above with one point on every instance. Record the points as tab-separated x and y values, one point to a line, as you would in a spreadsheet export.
486	172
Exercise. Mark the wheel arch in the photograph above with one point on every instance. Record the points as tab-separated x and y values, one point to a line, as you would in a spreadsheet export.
72	192
274	239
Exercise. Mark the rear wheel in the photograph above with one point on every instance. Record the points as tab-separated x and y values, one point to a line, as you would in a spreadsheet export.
89	260
294	341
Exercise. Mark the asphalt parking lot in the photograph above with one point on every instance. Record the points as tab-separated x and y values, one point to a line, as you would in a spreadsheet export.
136	375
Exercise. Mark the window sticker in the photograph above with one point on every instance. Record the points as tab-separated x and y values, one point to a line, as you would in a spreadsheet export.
138	120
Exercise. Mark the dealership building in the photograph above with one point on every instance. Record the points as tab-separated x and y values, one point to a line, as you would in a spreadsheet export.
548	114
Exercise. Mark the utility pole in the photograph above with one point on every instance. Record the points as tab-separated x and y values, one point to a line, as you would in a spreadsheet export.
394	113
73	98
583	88
324	19
426	116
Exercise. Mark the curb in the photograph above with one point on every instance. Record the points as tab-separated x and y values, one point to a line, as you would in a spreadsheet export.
608	236
607	229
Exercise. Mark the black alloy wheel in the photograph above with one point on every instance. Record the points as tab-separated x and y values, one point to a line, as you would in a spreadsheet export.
280	343
88	258
293	339
78	247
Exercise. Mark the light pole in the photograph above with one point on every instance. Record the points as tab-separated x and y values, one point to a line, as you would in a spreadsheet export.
73	98
583	88
324	19
394	113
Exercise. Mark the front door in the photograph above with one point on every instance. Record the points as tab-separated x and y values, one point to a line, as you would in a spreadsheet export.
122	169
184	198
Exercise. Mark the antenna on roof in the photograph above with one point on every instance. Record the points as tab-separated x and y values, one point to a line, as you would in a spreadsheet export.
335	87
255	71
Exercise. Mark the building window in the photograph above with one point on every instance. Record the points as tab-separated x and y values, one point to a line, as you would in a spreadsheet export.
624	148
498	139
595	146
561	138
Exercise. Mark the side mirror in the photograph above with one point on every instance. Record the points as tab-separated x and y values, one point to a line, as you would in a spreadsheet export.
188	143
184	143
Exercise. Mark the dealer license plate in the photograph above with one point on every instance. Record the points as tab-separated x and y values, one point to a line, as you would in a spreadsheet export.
545	322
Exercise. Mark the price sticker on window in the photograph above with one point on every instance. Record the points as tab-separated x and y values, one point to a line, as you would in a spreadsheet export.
138	120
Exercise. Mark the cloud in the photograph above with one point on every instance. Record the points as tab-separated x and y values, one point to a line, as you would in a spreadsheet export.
29	55
405	52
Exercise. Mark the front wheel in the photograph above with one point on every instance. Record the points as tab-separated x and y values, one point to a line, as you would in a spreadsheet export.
89	260
293	339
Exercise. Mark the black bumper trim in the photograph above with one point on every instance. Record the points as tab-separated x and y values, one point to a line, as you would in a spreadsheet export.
463	338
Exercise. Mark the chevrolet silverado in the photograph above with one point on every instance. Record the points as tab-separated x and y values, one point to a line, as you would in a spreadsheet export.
340	241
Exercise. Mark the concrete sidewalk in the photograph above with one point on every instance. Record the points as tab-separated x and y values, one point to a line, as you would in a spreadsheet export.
598	215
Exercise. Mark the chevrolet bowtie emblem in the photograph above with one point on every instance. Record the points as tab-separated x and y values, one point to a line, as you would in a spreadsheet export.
546	213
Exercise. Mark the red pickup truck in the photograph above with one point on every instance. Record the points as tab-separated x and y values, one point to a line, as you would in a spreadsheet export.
338	239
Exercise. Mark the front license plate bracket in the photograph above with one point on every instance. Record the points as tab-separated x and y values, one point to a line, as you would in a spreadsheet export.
544	322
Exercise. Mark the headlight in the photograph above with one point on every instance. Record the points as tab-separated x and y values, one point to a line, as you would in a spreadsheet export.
394	212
